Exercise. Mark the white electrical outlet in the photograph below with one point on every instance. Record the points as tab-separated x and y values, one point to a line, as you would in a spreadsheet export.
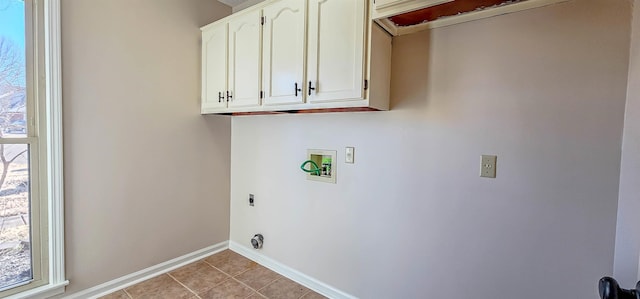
488	166
349	153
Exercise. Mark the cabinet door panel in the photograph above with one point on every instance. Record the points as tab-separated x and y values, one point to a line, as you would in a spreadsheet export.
214	67
244	60
336	49
283	52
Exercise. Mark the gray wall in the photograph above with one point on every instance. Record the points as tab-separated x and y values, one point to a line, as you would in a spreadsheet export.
628	234
146	177
543	89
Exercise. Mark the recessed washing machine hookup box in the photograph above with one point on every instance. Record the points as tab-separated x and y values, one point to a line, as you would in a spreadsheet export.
326	161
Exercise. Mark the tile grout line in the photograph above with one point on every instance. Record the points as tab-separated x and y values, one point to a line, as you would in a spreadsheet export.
274	281
257	291
264	287
245	270
217	284
233	278
248	286
186	287
259	295
305	294
223	272
145	290
268	284
212	266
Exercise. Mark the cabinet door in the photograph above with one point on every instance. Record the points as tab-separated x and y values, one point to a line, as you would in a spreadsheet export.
244	60
336	49
214	67
283	52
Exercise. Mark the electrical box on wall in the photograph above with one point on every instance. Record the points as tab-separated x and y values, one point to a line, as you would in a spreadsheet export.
321	166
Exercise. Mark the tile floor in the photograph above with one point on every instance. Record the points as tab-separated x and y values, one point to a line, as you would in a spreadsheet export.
222	275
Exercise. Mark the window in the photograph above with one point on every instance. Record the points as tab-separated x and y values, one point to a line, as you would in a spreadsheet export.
31	245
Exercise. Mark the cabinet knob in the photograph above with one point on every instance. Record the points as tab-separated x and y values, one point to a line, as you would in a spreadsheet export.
229	96
220	97
297	89
310	87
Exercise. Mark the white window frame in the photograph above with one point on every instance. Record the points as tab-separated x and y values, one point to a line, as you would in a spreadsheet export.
47	81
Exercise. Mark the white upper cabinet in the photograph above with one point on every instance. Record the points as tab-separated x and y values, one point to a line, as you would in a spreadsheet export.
336	53
283	52
245	34
292	55
214	67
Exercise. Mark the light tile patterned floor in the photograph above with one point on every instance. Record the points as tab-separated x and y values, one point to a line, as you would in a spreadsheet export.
222	275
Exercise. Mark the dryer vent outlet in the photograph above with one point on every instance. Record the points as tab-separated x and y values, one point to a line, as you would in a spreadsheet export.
257	241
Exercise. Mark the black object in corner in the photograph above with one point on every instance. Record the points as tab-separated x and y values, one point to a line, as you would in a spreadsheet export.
610	289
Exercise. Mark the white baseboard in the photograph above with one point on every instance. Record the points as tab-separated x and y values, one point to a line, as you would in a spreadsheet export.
142	275
307	281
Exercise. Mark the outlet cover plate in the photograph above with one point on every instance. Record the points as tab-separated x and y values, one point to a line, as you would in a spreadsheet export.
488	166
349	153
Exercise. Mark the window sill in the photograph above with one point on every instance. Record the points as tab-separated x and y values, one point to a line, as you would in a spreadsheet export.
46	291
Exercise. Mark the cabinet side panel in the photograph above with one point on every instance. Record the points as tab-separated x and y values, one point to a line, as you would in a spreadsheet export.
380	68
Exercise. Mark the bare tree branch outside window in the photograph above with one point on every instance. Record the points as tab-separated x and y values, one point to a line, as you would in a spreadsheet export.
15	260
